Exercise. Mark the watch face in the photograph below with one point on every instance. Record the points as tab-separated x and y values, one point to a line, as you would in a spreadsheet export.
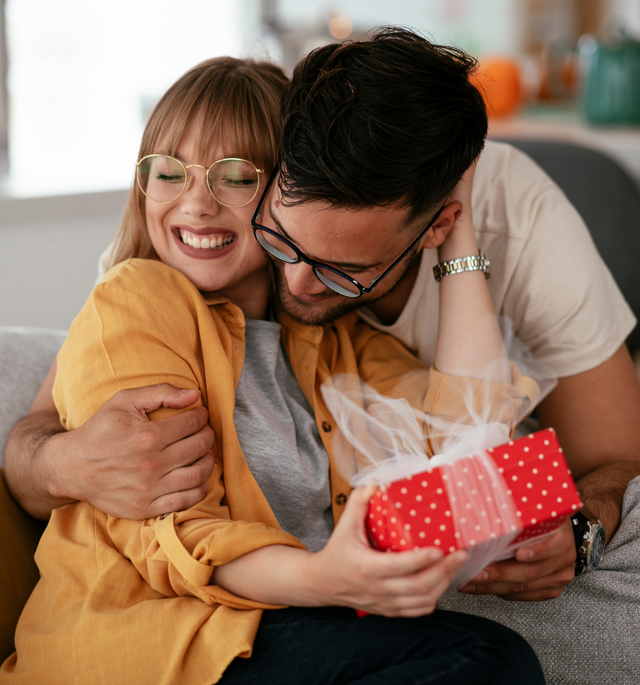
597	547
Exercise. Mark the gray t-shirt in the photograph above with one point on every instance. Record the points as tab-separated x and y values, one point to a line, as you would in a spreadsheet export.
280	439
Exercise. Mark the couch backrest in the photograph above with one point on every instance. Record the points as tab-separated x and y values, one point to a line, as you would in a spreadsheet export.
608	200
26	355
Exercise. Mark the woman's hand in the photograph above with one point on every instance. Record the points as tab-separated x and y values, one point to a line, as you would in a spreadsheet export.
351	573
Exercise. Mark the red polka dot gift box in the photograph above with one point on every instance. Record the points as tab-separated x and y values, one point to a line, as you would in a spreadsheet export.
489	503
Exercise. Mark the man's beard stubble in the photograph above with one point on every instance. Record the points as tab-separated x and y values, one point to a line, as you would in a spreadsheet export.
305	313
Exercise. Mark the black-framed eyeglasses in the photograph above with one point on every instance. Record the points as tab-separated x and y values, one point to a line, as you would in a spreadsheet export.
283	249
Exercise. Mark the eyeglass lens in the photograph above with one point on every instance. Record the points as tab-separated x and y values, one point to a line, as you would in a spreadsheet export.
285	253
233	182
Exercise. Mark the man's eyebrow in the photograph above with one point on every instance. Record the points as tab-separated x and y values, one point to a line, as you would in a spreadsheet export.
340	265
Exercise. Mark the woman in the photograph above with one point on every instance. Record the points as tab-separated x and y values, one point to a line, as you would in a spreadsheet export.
179	598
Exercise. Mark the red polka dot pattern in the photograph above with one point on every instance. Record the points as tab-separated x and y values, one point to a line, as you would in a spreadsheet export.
415	511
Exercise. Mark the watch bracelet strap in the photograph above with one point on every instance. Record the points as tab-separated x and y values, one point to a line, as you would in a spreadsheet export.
580	538
477	262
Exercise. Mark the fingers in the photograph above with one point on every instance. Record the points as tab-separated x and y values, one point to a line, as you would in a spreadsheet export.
150	398
176	501
355	511
561	540
184	437
416	594
539	571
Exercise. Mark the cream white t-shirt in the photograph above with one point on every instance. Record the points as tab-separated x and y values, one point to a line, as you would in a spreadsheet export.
546	275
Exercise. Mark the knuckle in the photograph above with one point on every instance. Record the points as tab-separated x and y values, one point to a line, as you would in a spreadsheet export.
144	441
567	576
199	447
193	479
192	424
170	503
554	593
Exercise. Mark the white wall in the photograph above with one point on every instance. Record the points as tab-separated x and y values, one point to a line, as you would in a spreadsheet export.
49	250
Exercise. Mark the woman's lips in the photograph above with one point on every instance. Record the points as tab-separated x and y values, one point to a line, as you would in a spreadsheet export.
205	243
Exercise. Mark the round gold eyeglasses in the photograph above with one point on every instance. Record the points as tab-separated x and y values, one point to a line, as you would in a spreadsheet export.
233	182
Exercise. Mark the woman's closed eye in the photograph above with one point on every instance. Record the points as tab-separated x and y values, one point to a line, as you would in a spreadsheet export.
170	178
239	182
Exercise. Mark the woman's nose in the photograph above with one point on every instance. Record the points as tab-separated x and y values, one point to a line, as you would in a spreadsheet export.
196	199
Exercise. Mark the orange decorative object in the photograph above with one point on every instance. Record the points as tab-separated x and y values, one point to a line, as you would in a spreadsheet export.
499	81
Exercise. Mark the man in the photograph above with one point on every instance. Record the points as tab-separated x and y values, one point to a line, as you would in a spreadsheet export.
366	129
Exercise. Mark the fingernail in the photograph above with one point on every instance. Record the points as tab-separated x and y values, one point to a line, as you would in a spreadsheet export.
483	575
185	391
524	554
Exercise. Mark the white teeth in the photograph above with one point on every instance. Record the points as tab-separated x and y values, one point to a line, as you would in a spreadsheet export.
210	243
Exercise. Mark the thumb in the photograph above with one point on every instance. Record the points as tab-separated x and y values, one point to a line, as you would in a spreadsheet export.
356	510
150	398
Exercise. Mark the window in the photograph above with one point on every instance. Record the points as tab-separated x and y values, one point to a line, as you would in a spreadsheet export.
83	76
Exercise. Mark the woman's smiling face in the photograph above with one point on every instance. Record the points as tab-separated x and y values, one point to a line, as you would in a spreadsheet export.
212	245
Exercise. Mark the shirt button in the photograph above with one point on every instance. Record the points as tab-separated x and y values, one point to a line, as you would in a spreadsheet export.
341	499
326	427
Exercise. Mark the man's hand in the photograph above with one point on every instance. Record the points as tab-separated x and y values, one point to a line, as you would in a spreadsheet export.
119	461
596	415
538	572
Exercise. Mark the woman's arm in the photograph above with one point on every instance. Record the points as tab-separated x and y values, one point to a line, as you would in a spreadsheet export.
346	572
469	341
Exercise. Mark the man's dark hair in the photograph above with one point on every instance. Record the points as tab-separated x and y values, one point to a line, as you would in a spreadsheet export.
389	121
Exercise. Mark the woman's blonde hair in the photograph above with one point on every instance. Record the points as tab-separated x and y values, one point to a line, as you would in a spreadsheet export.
233	102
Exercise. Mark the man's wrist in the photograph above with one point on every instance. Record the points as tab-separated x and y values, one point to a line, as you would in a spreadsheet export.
51	444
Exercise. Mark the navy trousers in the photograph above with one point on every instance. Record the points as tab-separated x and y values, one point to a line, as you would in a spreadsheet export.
332	646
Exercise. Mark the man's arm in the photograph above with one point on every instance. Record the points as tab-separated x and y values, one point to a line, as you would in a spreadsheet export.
597	418
119	461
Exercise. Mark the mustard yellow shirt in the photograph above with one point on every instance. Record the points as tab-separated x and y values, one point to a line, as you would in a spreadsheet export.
124	601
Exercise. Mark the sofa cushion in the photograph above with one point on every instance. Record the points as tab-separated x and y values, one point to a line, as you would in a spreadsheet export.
26	355
19	535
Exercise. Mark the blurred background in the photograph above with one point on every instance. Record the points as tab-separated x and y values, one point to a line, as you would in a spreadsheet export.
78	78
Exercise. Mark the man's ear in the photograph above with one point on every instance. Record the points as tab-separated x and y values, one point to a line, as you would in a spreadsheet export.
435	236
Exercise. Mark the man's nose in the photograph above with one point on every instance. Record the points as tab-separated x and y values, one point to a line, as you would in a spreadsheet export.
302	280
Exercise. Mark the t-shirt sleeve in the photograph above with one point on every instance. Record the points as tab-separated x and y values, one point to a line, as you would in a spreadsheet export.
563	301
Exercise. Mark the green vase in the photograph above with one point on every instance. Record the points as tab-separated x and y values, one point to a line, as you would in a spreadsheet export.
611	81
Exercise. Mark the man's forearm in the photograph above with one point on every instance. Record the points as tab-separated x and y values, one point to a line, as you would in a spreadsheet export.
27	469
602	491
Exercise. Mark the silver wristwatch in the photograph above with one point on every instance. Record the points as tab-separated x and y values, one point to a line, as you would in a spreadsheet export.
457	266
590	538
